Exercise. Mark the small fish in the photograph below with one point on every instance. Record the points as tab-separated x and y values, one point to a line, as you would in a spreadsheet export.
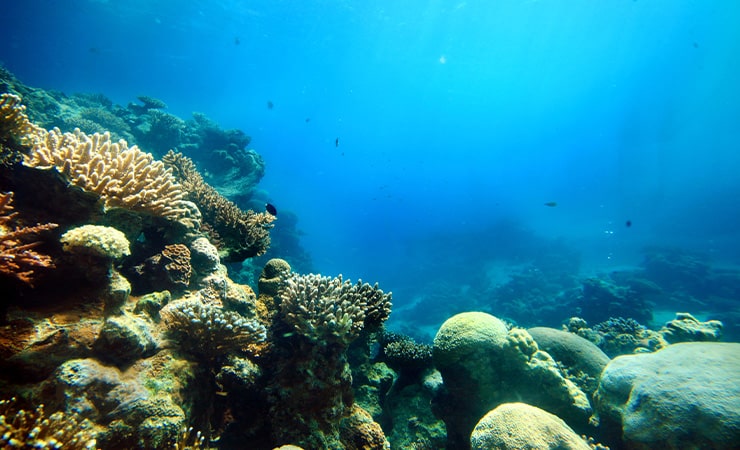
336	142
308	119
551	204
271	209
237	41
269	104
696	45
628	223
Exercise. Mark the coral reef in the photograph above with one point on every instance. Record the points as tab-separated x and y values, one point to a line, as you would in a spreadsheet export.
240	234
603	298
618	335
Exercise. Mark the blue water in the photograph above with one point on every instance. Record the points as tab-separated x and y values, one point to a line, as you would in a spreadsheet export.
452	117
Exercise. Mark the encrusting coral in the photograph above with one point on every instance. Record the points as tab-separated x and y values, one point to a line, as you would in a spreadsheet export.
18	259
241	234
331	309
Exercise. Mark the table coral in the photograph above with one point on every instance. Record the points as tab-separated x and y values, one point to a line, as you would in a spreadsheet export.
123	176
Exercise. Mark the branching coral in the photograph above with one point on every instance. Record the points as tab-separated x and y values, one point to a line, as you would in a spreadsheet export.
33	429
17	257
207	331
331	309
241	234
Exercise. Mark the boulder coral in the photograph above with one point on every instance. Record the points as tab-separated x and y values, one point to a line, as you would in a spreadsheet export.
514	426
483	365
686	395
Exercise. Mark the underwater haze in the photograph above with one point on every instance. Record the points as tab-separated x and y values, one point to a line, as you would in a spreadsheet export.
420	141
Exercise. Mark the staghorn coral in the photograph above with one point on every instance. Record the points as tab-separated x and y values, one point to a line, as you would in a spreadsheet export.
34	429
18	259
123	176
241	234
331	309
207	331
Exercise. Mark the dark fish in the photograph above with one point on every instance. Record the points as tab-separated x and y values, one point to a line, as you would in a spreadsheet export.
551	204
271	209
336	142
94	50
628	223
269	104
237	41
696	45
308	119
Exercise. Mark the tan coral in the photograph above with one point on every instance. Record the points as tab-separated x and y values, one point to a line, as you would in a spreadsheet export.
123	176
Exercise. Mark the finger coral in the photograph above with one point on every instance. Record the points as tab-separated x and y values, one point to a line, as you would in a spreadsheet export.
331	309
123	176
34	429
13	118
17	257
207	331
241	234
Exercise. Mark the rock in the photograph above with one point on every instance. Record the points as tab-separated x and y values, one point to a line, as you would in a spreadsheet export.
687	328
124	339
571	350
684	396
513	426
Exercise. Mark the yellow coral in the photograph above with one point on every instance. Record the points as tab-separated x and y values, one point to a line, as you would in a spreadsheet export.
105	242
